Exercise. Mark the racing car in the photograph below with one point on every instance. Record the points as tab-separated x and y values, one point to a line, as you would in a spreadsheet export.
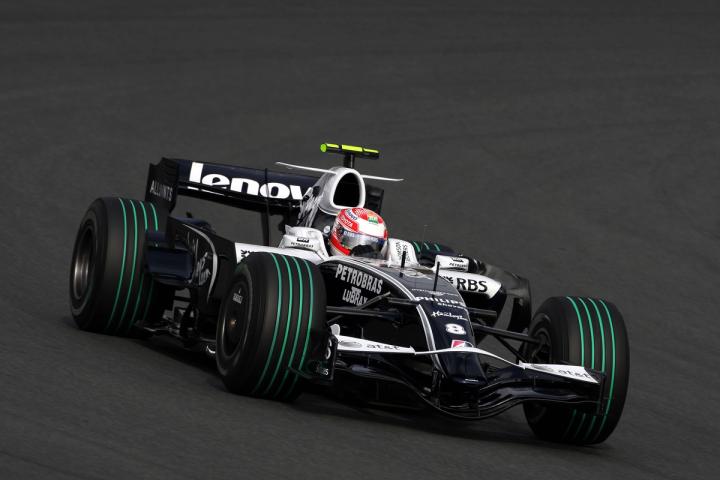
404	327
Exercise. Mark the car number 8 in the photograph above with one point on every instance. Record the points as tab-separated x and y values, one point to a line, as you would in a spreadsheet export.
454	328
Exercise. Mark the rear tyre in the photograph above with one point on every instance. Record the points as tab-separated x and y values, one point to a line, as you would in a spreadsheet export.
427	251
588	332
269	321
109	289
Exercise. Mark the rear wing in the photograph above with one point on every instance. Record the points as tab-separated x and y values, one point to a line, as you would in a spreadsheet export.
253	189
265	191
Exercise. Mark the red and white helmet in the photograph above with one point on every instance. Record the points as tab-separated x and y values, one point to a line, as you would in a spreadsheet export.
356	227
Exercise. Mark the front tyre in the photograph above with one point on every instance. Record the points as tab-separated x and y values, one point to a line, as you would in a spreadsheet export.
271	318
591	333
109	289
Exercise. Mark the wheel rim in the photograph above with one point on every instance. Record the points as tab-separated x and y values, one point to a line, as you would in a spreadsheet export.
542	353
234	319
83	265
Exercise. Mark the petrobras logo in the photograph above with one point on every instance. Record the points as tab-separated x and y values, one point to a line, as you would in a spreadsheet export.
358	278
354	296
452	263
244	185
305	243
459	262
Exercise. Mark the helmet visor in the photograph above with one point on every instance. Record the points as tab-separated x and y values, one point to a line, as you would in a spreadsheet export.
351	240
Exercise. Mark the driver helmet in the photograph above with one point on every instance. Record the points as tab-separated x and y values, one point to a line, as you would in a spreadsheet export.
356	231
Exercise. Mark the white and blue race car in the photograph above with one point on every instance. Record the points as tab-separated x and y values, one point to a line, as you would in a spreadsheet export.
404	330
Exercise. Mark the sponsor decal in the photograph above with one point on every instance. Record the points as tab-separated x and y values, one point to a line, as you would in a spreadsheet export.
440	313
382	346
243	253
359	278
237	298
409	272
320	370
305	243
444	262
202	269
301	242
373	219
569	371
458	263
541	367
349	224
449	302
435	293
161	190
201	272
309	206
354	296
467	284
453	328
244	185
460	343
564	371
205	266
369	345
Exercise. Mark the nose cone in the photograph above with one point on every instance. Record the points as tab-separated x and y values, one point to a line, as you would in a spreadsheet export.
451	328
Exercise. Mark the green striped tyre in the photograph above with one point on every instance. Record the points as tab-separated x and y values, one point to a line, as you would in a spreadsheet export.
427	251
432	247
109	289
269	321
588	332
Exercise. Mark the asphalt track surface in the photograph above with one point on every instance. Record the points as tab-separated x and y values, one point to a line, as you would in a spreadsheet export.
576	144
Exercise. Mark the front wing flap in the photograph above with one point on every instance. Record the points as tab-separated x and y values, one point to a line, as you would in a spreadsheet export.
572	372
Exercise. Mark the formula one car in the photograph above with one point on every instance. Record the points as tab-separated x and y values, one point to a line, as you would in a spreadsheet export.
403	329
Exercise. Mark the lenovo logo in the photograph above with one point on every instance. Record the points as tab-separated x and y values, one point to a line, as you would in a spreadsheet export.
244	185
